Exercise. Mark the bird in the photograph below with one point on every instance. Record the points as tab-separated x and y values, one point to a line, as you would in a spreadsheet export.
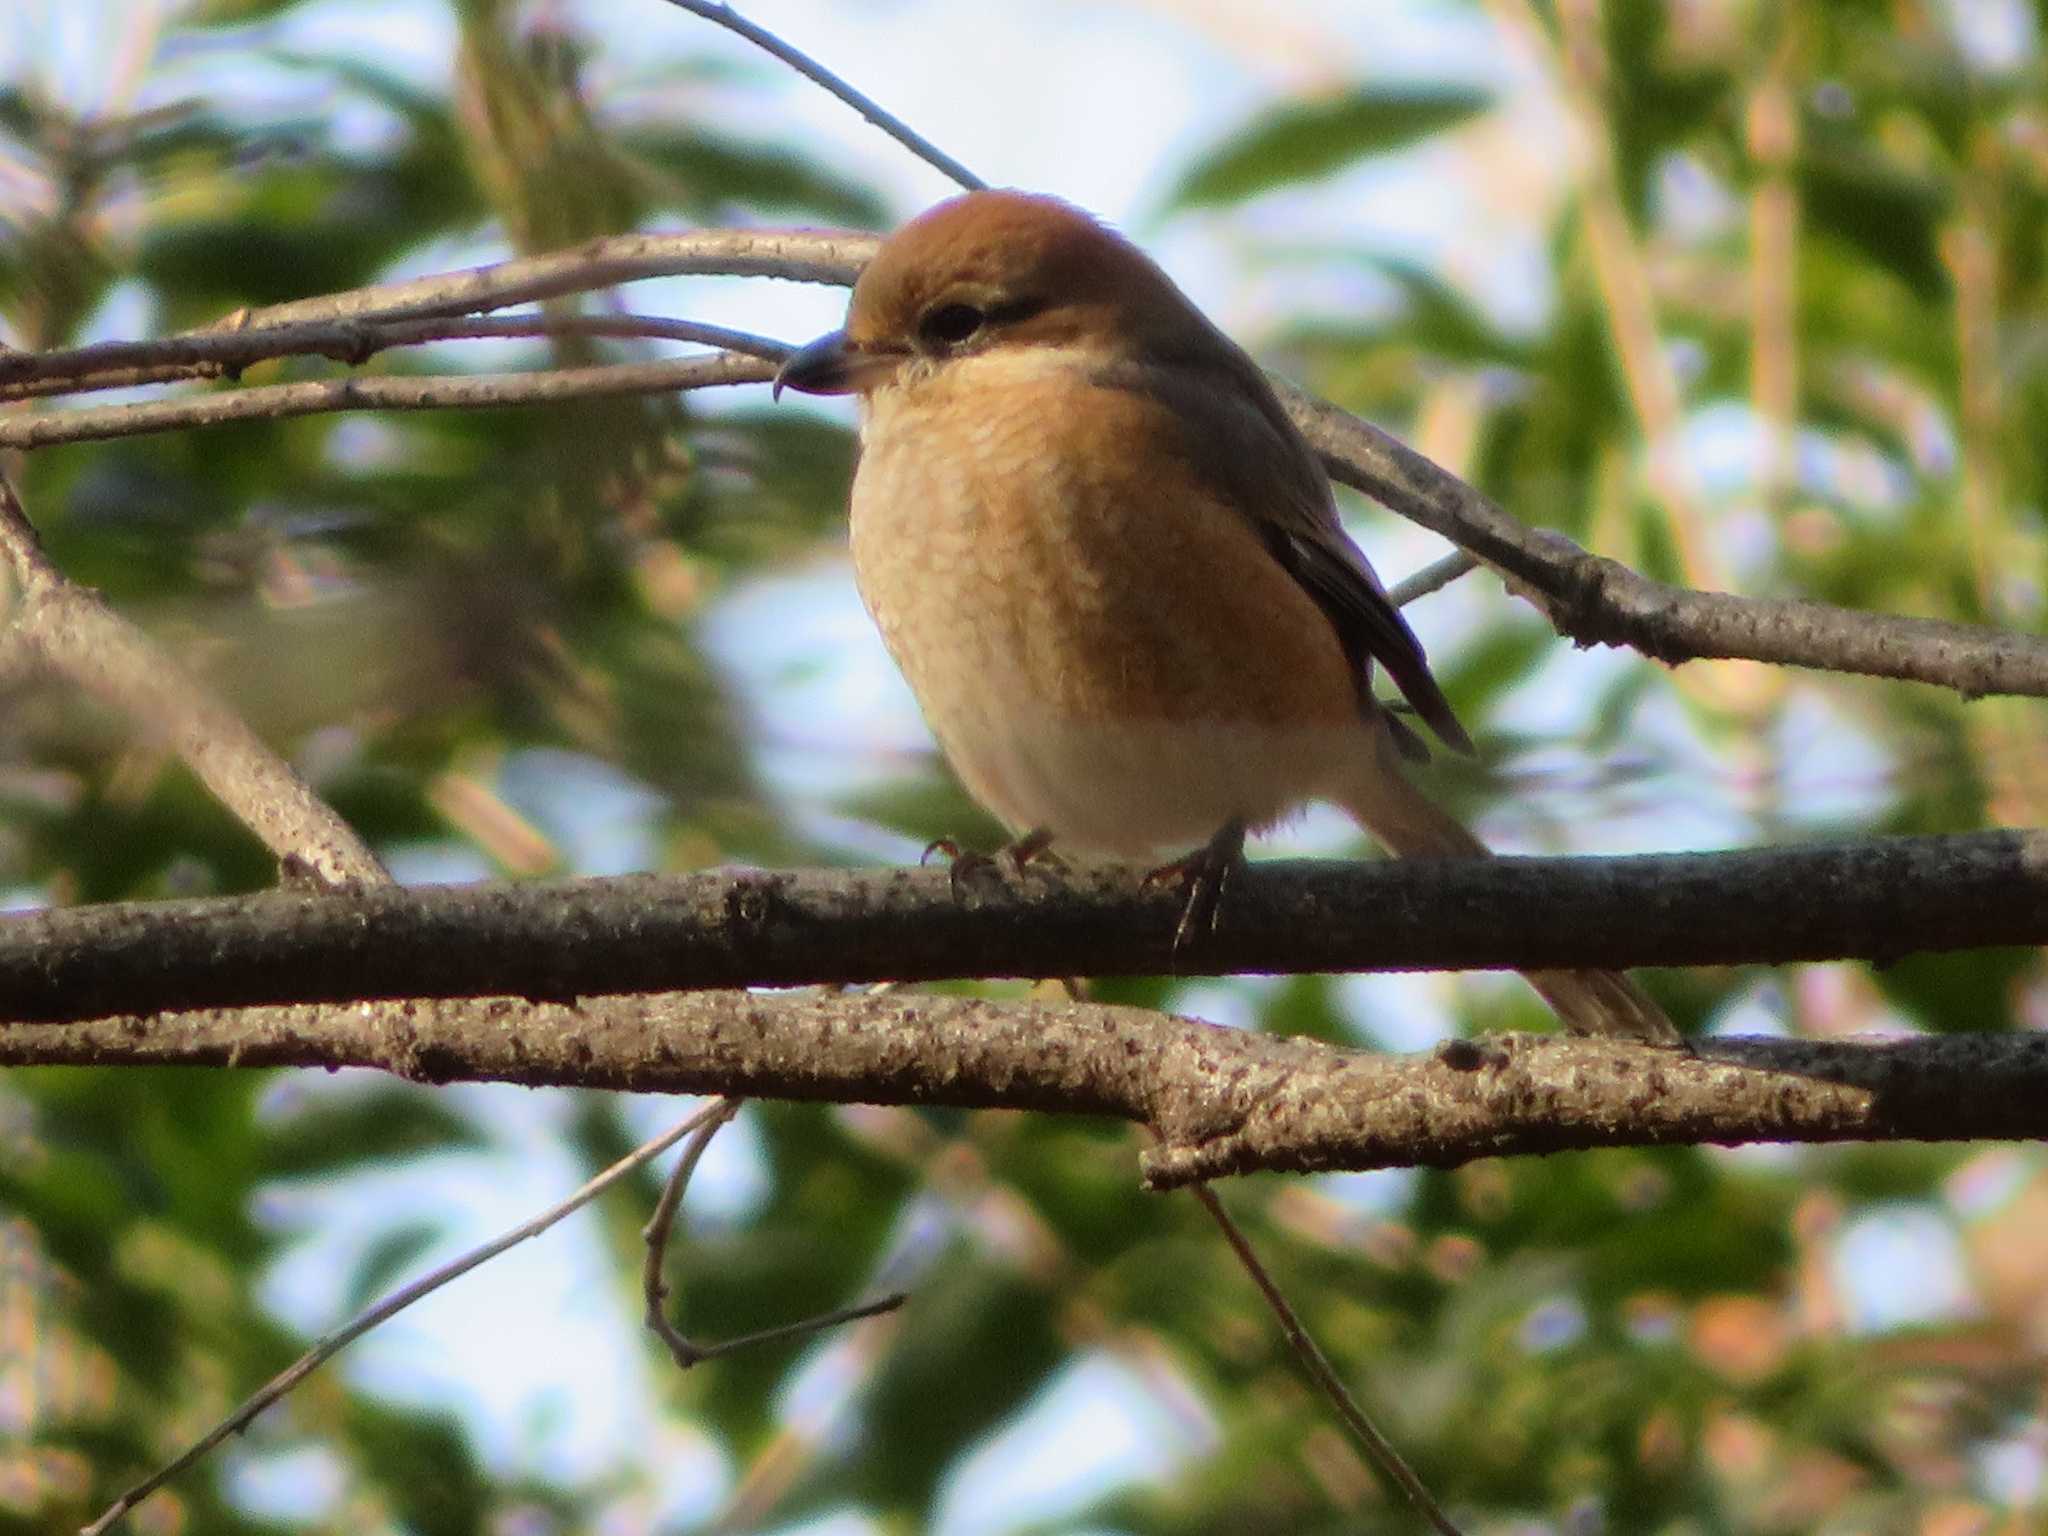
1112	570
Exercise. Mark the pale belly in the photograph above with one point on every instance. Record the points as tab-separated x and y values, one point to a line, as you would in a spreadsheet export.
1103	676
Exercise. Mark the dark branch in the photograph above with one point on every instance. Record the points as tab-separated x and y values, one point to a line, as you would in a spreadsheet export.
1221	1100
1878	899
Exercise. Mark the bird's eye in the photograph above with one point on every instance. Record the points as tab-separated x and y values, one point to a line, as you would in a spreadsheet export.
951	324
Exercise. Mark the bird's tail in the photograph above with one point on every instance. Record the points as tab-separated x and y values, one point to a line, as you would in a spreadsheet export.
1414	827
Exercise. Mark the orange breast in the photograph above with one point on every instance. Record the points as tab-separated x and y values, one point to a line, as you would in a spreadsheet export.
1050	534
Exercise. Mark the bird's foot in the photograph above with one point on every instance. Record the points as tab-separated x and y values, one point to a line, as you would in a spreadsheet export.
1033	848
1204	879
1033	851
965	865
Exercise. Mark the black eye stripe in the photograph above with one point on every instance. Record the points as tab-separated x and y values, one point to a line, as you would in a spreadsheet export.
951	323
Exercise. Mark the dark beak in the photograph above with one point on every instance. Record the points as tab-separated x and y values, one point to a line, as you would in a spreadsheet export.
821	368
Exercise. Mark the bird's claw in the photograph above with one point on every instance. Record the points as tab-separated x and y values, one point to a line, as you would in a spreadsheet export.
1033	848
964	864
1204	879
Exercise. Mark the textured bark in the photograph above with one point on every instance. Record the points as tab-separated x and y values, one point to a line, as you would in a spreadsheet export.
1221	1101
1879	899
1596	601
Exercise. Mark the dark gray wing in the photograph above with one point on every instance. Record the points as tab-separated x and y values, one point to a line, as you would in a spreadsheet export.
1334	572
1226	403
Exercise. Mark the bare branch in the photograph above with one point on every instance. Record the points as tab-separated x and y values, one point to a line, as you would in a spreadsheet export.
799	255
1596	601
1433	577
655	1290
1878	899
72	633
328	1345
725	16
1221	1101
1378	1448
211	354
274	402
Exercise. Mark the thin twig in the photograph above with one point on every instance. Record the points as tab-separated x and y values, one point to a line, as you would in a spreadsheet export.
656	1233
275	402
832	256
1433	577
331	1344
725	16
1378	1449
211	354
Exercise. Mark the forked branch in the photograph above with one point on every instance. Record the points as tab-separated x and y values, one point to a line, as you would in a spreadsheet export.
654	1289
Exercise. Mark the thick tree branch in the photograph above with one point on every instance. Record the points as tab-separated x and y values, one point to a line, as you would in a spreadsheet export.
1220	1100
1878	899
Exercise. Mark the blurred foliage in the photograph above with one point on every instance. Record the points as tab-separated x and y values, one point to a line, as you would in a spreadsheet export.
1839	218
1314	138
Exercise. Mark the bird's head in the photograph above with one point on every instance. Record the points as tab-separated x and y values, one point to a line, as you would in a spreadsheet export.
999	270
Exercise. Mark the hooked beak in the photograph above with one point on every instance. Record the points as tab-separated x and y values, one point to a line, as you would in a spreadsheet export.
835	364
824	367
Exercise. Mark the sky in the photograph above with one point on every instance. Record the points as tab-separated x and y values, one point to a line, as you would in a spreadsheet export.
1102	103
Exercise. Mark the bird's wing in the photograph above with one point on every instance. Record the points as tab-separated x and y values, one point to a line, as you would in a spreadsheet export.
1238	434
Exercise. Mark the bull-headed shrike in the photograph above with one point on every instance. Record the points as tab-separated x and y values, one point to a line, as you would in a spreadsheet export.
1111	568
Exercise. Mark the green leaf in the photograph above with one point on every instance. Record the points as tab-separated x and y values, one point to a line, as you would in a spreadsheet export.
1970	992
1888	214
235	13
927	806
705	172
424	1464
391	1255
1304	140
976	1343
380	1124
1440	318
